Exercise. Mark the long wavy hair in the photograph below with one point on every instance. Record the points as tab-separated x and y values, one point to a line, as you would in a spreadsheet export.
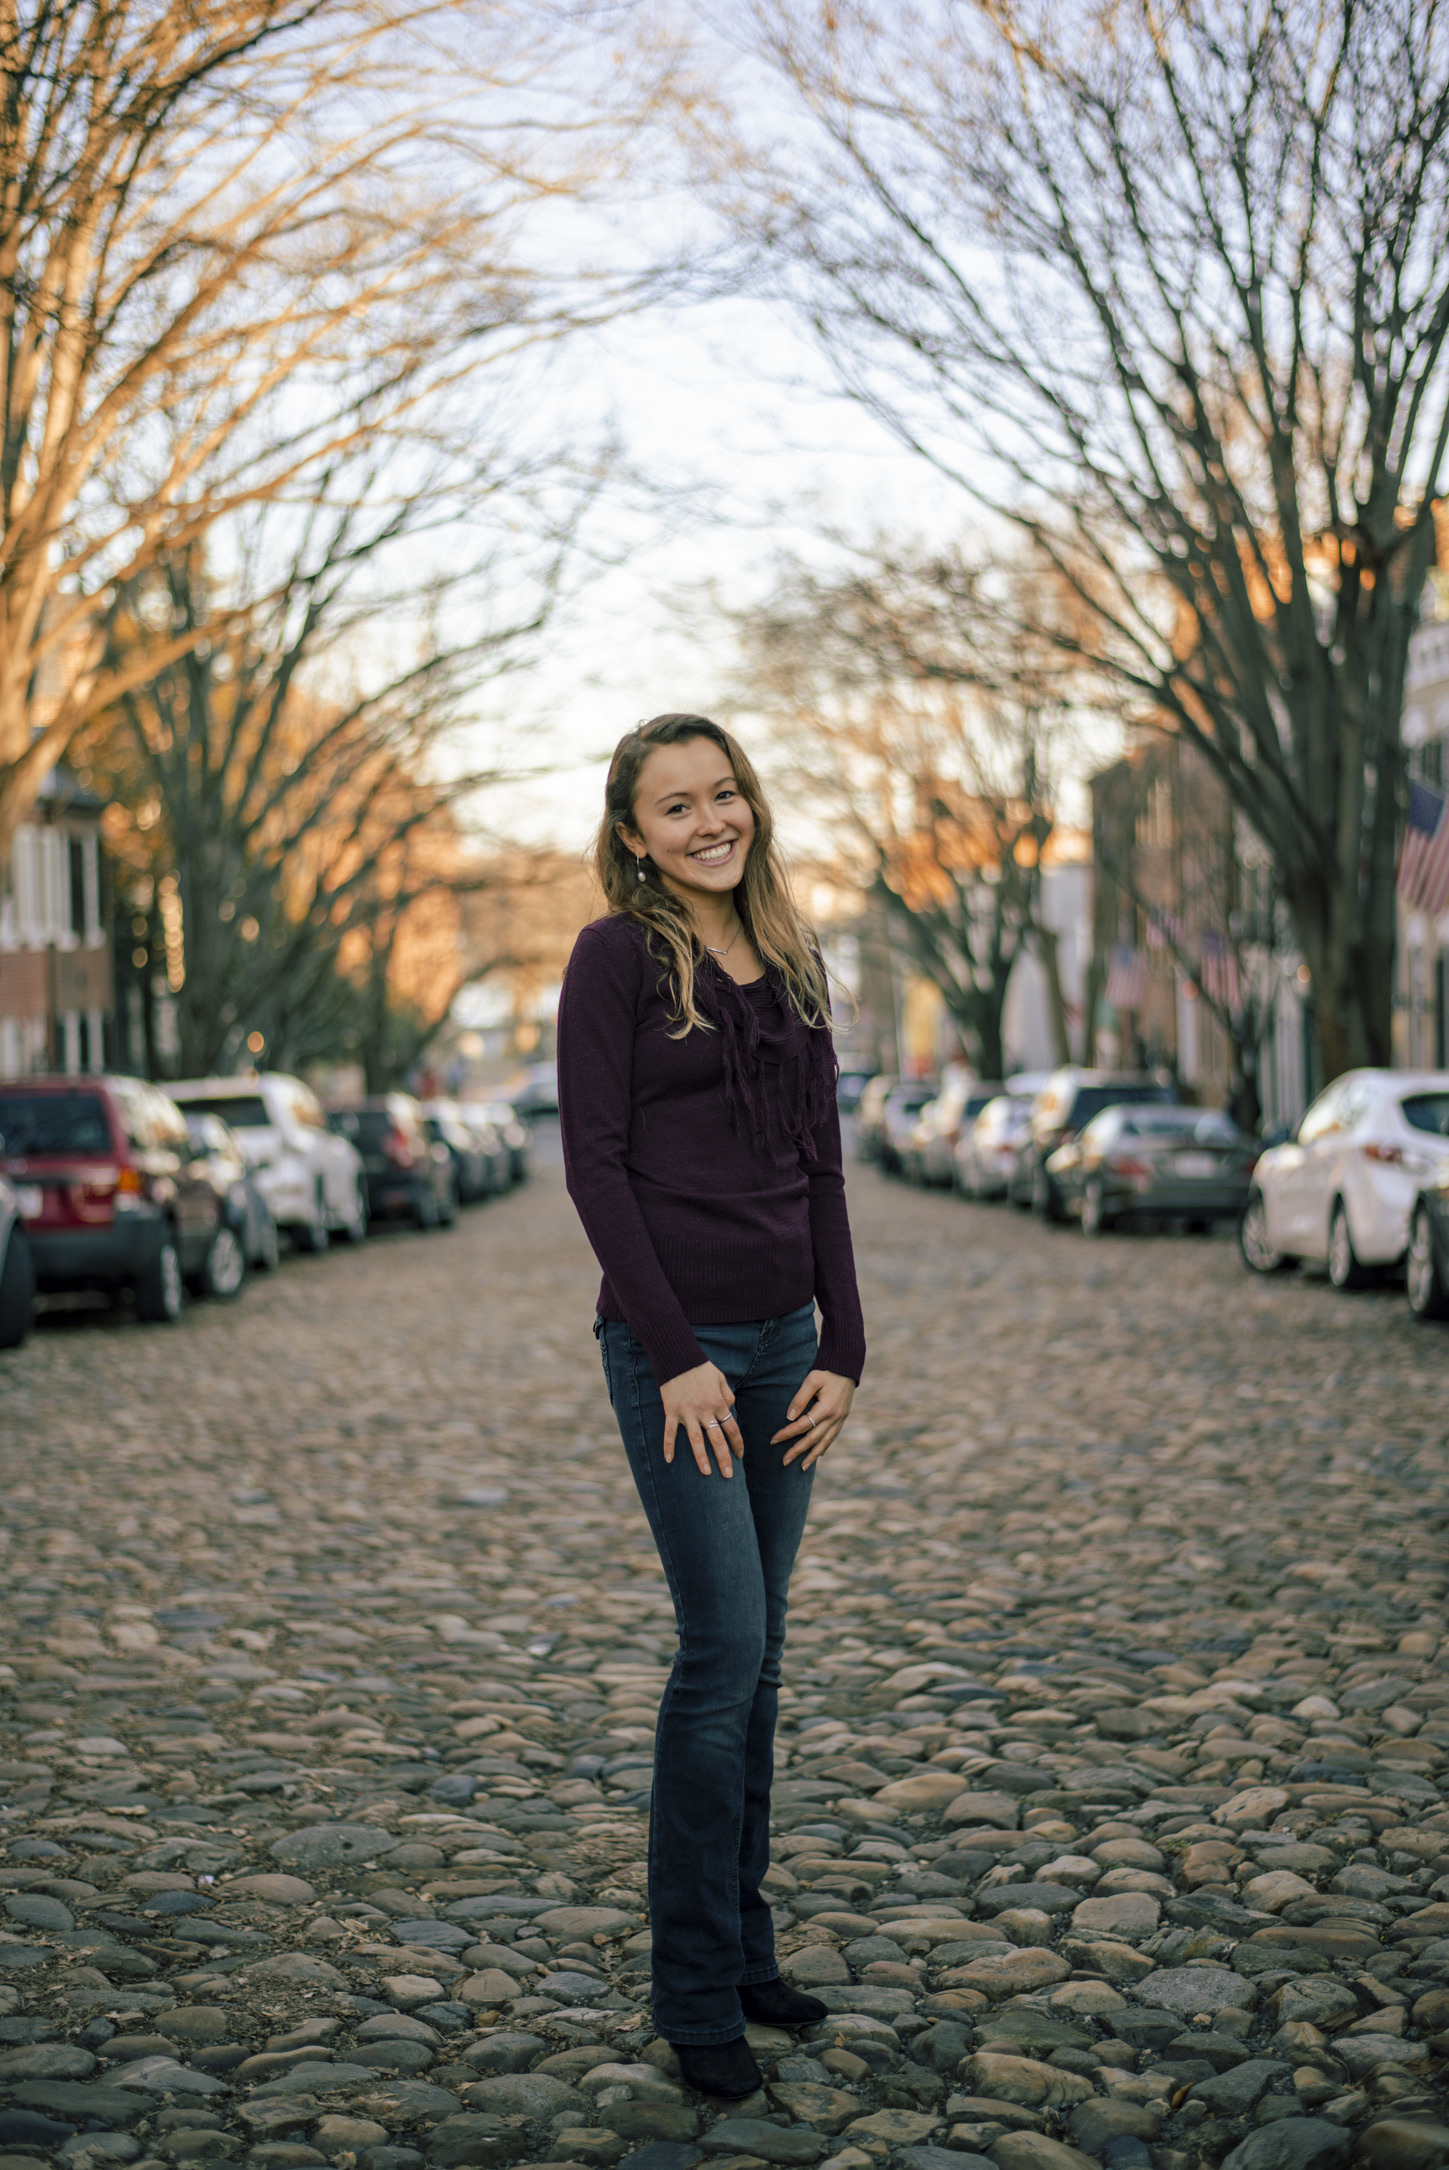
763	900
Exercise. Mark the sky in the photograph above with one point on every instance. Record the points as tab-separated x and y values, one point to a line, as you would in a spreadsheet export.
732	413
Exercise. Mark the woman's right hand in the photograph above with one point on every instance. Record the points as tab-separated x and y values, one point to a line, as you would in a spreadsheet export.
702	1401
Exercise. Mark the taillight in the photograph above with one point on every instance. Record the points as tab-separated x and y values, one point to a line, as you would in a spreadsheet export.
1126	1164
130	1190
397	1149
1390	1156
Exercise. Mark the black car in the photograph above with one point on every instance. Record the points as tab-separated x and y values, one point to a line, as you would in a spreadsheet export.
1426	1263
246	1209
409	1175
1063	1107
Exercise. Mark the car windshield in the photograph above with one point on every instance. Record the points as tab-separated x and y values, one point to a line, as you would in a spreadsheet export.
244	1111
365	1126
1091	1099
38	1123
1204	1125
1428	1111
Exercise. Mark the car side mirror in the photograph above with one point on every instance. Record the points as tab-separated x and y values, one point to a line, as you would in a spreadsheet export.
1279	1134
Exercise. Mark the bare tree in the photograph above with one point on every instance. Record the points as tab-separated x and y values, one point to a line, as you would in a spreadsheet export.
1170	292
239	238
301	832
923	741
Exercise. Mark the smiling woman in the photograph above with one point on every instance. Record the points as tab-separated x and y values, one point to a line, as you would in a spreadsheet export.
702	1149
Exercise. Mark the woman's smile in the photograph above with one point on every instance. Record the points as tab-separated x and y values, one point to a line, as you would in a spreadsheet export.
715	854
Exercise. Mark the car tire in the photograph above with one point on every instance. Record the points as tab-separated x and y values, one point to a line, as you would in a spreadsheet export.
224	1270
312	1236
1423	1282
1096	1220
1046	1199
448	1210
1344	1269
425	1208
269	1250
1257	1252
159	1289
17	1291
354	1228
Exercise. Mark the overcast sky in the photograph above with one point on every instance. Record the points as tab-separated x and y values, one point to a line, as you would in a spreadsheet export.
730	409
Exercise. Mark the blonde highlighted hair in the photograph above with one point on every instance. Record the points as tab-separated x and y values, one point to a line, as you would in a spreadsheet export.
763	900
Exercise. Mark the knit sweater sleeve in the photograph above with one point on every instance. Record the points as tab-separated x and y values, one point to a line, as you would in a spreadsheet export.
598	1011
842	1335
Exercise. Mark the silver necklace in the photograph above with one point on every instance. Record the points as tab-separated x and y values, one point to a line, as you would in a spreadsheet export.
729	945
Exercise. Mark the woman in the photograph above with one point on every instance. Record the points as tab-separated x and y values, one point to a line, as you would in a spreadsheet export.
702	1149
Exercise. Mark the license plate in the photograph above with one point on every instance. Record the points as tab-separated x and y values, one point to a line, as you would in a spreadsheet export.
31	1199
1194	1164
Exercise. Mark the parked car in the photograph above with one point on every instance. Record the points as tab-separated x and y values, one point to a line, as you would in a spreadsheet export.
113	1194
534	1091
929	1155
903	1104
312	1180
986	1149
1342	1190
476	1162
512	1135
849	1086
249	1212
1154	1163
17	1271
870	1116
409	1175
1426	1262
1063	1107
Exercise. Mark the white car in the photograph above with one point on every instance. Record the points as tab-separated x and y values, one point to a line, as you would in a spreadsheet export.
1340	1191
312	1179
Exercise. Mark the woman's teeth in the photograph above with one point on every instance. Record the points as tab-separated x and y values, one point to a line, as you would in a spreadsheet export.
713	853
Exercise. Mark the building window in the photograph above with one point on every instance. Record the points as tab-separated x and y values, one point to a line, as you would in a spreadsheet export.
1431	761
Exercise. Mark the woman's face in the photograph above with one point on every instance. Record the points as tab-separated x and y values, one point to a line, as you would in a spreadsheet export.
690	817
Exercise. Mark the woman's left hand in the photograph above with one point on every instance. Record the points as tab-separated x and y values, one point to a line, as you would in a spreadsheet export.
816	1416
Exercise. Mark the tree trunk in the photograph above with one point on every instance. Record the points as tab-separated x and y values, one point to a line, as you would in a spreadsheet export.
1049	945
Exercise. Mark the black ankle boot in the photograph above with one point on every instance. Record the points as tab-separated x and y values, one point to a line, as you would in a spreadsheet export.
727	2069
775	2004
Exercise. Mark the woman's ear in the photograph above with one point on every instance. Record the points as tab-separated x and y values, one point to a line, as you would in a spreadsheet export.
631	840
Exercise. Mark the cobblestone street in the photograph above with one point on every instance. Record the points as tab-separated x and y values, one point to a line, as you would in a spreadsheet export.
1109	1822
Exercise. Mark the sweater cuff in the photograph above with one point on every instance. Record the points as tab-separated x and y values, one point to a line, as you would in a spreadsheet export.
671	1351
842	1350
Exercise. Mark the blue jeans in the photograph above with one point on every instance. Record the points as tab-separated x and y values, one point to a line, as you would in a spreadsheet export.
727	1548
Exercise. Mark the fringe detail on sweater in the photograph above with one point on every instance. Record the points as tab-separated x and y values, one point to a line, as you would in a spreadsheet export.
779	1083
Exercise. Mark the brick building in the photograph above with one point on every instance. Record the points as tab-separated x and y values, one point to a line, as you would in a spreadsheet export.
56	1001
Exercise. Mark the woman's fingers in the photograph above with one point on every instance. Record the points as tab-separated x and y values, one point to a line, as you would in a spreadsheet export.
809	1450
696	1441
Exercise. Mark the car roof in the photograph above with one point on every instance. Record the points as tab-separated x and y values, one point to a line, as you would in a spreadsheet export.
82	1081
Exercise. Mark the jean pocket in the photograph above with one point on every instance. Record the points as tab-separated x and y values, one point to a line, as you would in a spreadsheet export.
601	1336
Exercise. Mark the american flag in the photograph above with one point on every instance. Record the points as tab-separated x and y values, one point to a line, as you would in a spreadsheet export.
1423	875
1220	979
1127	979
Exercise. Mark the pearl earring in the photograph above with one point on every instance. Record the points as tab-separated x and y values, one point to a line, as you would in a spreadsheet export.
639	869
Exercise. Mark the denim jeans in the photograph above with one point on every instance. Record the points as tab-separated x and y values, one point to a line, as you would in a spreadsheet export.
727	1548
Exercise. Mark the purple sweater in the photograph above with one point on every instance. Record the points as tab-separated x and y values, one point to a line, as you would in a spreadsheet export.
693	1215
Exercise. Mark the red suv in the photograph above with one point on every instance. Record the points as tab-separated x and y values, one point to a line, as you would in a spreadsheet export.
111	1192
